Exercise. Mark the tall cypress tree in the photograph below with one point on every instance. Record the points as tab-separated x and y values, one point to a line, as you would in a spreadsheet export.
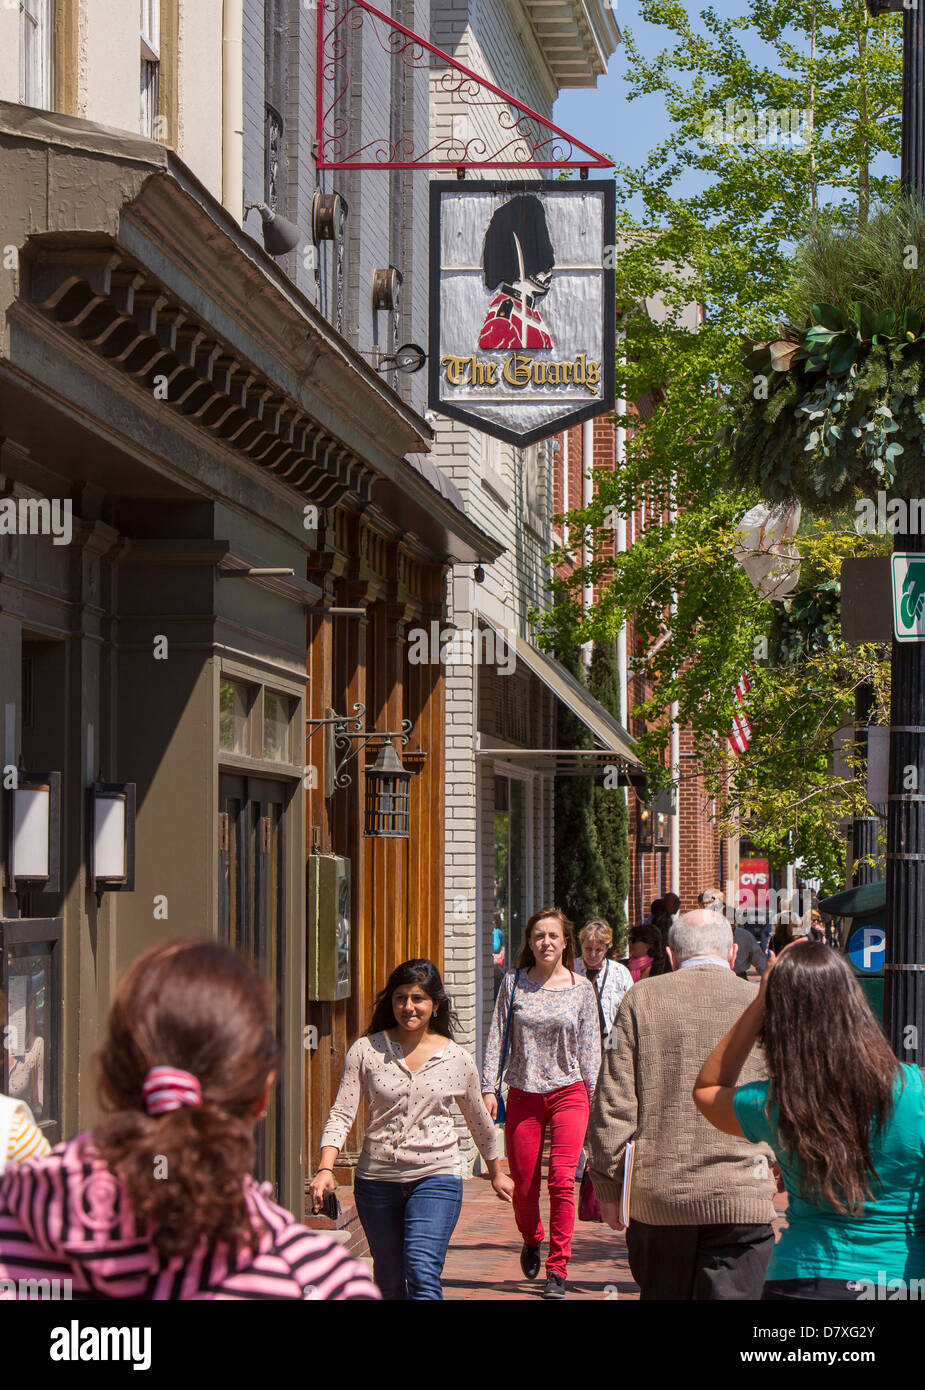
608	804
582	889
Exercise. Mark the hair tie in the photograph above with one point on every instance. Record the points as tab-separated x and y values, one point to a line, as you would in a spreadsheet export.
168	1088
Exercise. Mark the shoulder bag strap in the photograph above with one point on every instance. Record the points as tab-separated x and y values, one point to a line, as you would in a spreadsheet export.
507	1028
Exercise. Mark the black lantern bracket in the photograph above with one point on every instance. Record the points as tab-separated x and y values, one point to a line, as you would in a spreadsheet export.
342	732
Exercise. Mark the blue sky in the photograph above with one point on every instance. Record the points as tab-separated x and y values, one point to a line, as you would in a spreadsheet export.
626	130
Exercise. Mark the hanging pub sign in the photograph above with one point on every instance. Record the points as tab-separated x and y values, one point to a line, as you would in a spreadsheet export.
522	312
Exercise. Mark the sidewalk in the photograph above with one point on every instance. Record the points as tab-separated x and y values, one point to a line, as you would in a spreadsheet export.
484	1256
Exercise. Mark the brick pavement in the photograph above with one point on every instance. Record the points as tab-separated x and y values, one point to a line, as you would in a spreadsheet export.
484	1256
483	1262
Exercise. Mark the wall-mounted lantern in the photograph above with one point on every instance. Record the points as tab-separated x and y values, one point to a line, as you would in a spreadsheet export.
388	794
645	830
329	214
112	838
35	832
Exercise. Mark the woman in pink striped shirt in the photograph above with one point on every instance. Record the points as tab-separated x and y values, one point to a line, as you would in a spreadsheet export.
159	1201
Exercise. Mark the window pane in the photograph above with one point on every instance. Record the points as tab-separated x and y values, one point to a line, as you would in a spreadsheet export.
36	24
277	716
29	1020
234	701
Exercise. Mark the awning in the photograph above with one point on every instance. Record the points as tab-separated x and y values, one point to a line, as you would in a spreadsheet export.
613	745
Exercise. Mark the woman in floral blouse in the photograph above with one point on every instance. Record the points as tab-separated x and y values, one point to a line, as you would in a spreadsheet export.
553	1058
408	1183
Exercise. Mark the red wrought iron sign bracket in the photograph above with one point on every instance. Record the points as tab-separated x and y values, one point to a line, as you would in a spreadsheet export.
525	140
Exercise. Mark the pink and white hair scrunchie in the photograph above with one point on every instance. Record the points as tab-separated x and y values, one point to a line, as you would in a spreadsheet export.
168	1088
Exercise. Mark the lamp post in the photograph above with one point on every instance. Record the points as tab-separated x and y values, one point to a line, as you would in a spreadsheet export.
904	983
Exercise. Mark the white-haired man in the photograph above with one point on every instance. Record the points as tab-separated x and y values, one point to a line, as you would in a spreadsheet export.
701	1202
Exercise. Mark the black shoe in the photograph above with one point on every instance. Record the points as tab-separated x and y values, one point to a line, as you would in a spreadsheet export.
555	1286
530	1260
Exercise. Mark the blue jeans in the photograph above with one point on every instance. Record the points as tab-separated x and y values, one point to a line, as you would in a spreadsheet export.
408	1226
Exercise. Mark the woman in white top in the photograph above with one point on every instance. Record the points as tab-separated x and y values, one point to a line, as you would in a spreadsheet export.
610	979
408	1184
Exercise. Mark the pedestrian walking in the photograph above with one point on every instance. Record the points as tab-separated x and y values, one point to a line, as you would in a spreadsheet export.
700	1202
845	1120
784	931
159	1201
546	1032
609	978
20	1136
647	955
748	952
408	1183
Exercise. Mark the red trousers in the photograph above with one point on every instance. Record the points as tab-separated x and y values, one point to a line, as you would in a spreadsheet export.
527	1116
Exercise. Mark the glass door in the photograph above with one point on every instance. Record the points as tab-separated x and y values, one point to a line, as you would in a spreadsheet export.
252	857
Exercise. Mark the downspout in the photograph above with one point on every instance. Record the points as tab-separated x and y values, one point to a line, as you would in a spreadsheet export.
233	108
622	681
674	821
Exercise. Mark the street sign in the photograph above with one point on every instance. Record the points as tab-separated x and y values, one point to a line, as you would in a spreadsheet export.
522	306
867	949
907	570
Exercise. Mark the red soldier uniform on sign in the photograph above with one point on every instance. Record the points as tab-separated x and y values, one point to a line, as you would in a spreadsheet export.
518	261
504	325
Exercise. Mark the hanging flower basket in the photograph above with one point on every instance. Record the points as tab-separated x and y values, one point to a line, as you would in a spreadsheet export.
834	406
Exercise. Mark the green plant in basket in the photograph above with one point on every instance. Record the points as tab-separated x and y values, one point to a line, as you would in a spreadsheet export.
835	404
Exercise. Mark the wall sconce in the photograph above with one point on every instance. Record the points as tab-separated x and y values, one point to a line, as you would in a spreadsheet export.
329	213
279	234
663	807
388	795
386	288
35	832
112	838
645	837
387	781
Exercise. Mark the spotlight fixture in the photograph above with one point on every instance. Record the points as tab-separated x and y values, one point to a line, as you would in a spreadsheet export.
279	234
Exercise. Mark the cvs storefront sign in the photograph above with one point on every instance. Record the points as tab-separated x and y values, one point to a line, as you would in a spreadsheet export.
754	884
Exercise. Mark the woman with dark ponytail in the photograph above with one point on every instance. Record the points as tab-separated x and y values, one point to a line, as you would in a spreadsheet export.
159	1201
408	1183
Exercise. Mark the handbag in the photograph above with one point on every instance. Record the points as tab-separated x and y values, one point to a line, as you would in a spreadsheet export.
589	1208
499	1115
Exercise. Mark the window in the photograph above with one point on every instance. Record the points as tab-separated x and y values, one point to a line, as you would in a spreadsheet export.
234	705
150	66
255	722
277	717
36	53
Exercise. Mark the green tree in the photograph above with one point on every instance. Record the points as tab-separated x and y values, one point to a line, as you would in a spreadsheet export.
581	885
725	248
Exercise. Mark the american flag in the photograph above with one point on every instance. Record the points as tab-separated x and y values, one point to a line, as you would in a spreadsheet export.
740	735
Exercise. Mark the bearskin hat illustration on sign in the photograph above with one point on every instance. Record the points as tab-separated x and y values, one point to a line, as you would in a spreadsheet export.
518	261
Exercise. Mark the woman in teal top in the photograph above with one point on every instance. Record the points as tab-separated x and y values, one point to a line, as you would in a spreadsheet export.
846	1122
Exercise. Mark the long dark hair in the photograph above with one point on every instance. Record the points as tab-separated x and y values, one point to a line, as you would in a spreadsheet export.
414	972
655	941
197	1006
526	959
831	1072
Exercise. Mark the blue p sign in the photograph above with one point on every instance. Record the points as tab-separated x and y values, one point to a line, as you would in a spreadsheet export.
867	949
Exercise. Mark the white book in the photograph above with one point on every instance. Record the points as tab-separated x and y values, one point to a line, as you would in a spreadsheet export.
628	1157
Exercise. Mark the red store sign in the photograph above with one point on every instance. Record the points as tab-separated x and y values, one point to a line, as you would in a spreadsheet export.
754	882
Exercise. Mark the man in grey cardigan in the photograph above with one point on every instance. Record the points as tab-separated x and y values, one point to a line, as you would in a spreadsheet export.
701	1202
